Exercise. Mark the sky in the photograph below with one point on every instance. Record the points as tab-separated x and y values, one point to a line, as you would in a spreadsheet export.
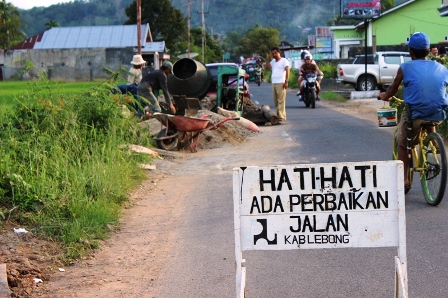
27	4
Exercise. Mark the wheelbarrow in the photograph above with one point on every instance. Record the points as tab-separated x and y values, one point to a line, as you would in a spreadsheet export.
179	128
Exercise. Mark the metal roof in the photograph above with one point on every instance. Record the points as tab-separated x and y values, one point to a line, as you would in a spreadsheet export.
119	36
156	46
28	43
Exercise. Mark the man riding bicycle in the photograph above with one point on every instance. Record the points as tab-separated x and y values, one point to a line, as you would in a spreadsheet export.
425	83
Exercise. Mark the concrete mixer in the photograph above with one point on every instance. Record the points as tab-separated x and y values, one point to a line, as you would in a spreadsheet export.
190	78
191	81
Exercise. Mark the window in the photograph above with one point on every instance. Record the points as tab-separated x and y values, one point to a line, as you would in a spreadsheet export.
392	59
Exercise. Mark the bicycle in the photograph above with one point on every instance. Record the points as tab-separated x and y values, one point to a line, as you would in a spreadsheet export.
428	158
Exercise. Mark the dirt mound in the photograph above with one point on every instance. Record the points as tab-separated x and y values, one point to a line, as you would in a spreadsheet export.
30	260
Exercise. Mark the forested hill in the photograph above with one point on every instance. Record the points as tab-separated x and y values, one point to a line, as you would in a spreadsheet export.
296	19
75	13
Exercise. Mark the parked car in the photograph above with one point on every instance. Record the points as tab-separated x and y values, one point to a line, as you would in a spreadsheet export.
380	74
360	59
213	68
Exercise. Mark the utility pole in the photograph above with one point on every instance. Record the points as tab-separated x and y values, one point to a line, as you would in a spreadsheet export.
188	22
211	26
139	27
366	24
203	31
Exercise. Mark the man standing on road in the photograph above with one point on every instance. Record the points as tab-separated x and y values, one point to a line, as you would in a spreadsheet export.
153	82
279	80
425	83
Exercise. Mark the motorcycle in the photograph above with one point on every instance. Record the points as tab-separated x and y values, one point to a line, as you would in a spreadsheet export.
309	94
258	75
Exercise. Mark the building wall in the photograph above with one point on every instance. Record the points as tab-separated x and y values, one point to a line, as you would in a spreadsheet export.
394	27
67	64
348	34
391	30
345	39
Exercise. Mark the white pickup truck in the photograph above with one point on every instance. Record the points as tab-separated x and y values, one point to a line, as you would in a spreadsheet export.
380	74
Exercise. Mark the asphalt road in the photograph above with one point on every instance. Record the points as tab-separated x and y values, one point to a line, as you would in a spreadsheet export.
202	263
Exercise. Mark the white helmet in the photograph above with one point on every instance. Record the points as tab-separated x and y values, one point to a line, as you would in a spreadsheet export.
304	52
308	57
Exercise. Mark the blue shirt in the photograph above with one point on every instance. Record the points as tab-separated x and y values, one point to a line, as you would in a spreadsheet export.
425	84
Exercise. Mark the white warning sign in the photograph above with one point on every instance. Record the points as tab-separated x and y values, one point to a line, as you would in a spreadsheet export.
317	205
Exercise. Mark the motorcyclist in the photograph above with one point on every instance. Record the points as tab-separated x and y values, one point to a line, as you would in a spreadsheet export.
306	68
300	78
260	66
302	56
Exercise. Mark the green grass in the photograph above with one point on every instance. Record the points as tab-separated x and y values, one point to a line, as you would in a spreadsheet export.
332	96
13	90
64	172
329	69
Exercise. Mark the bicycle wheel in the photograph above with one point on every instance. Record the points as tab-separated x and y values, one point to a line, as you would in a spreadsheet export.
410	173
434	176
395	147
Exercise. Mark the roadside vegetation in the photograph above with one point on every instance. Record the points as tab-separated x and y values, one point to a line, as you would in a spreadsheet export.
333	96
16	90
329	69
65	167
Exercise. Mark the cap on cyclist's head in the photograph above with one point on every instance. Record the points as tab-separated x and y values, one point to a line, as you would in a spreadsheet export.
418	41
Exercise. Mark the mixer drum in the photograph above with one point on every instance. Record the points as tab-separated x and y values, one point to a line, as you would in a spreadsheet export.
190	78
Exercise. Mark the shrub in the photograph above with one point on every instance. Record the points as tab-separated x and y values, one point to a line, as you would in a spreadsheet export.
63	168
329	69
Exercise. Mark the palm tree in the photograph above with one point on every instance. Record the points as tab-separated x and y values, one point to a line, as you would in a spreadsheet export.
10	24
51	24
7	10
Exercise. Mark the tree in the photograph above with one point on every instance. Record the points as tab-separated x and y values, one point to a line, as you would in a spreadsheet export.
165	22
231	43
51	24
212	51
258	40
10	23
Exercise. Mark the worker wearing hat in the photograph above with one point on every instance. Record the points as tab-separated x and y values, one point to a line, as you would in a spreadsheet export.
425	83
135	73
150	85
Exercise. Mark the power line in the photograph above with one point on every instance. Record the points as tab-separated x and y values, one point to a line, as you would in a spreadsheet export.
420	20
